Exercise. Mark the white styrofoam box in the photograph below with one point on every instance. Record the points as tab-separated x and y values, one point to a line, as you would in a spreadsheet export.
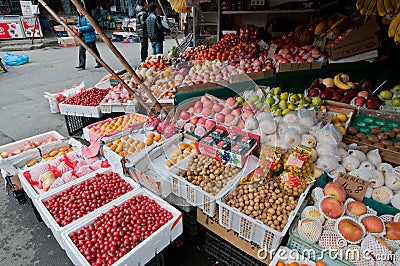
128	108
147	249
255	230
48	218
288	255
150	169
196	196
10	147
115	159
34	192
80	110
86	129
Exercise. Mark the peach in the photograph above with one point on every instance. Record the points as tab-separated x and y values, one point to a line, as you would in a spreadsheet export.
184	115
372	224
357	208
198	104
219	117
210	124
208	104
206	112
335	190
392	230
201	121
332	207
231	102
204	98
226	110
218	108
350	230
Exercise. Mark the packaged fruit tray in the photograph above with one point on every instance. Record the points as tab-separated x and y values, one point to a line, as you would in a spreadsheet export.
254	230
29	176
153	169
146	249
56	227
112	126
19	148
197	196
370	125
125	147
288	256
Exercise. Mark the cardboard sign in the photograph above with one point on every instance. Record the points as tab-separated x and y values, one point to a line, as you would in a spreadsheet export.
272	50
324	117
26	8
355	187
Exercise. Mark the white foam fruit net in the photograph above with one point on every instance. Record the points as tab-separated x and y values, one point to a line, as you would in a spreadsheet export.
310	229
354	254
311	212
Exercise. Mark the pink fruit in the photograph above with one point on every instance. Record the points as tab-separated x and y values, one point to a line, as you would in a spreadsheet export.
373	224
231	102
198	104
200	131
184	115
201	121
240	124
332	208
217	107
237	111
208	104
191	110
231	120
335	190
207	112
219	117
204	98
357	208
189	127
181	123
363	94
226	110
198	110
210	124
249	107
247	115
194	120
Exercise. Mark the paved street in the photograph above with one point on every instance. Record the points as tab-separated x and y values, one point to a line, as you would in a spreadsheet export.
25	112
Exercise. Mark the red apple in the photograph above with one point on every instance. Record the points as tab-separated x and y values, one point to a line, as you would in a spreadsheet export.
336	190
359	101
372	102
326	95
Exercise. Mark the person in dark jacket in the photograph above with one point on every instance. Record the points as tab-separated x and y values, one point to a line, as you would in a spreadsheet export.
141	30
88	35
155	29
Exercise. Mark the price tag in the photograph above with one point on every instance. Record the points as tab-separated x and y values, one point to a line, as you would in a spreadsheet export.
129	109
324	117
106	109
355	187
272	50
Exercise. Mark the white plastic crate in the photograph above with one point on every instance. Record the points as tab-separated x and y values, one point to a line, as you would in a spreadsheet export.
80	110
288	255
196	196
136	125
34	192
254	230
151	171
142	253
48	218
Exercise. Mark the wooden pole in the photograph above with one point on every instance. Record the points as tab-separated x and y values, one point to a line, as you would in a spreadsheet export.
165	15
104	64
120	57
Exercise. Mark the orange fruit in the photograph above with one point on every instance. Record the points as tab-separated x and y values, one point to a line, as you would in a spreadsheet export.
149	141
319	263
293	264
280	263
157	137
151	135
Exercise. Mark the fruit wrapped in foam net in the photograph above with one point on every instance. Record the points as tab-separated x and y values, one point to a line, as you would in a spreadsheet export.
83	170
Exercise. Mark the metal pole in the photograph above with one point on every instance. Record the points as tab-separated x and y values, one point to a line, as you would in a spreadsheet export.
120	57
104	64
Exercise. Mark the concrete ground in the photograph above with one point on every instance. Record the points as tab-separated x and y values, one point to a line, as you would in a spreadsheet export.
25	112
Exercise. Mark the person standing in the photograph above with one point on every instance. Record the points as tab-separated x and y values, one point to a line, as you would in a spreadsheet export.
155	29
141	30
87	33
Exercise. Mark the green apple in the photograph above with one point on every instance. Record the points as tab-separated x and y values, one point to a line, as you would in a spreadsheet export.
283	104
240	100
316	101
396	87
277	90
284	96
396	102
274	108
259	105
278	113
302	101
284	112
291	107
254	98
270	101
385	95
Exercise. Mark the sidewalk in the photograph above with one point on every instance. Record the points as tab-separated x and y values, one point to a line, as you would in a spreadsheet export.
26	44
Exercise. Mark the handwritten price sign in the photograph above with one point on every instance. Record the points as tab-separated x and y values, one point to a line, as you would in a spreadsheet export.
355	187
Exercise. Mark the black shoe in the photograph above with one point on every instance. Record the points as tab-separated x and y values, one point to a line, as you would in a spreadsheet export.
80	67
98	66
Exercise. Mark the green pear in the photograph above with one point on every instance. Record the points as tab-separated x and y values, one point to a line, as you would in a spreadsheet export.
283	104
284	112
291	107
316	101
274	108
254	98
284	96
293	98
278	112
270	101
240	100
302	101
277	90
259	105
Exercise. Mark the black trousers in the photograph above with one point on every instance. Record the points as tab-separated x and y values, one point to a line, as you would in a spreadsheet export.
82	53
144	50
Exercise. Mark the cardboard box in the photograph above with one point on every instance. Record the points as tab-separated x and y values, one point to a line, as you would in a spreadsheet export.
252	76
67	41
363	39
286	67
334	108
211	223
59	28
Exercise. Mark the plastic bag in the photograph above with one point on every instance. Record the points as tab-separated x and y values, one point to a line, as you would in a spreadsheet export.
15	60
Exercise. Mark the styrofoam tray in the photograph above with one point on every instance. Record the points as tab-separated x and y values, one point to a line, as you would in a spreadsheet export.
254	230
196	196
288	255
48	218
10	147
87	128
34	192
142	253
128	108
154	166
80	110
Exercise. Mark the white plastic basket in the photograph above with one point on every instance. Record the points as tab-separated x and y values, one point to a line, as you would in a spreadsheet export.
196	196
48	219
80	110
142	253
254	230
